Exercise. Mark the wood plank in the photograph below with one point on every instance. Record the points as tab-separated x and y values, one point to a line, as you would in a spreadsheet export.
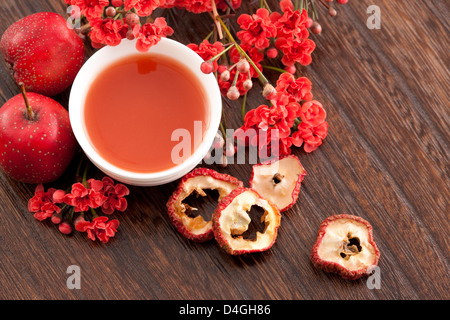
385	159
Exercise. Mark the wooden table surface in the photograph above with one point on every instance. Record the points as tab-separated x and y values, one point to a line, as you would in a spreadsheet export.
385	159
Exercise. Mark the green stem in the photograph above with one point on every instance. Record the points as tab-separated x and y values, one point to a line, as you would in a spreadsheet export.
77	173
222	129
244	103
236	76
221	53
267	5
94	213
275	68
224	122
119	14
69	219
315	15
209	35
297	121
84	179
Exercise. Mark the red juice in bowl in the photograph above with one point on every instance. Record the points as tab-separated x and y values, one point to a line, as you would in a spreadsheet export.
134	106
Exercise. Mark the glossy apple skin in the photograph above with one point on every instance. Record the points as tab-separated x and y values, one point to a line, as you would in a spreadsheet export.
43	53
39	150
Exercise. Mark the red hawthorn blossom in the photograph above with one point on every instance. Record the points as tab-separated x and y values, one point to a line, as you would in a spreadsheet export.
151	33
310	137
295	89
82	198
313	113
222	5
256	29
291	23
143	8
207	50
43	204
279	116
171	3
200	6
108	31
115	194
197	6
99	228
295	50
92	9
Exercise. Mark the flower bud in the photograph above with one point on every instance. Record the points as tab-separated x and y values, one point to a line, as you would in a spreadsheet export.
291	69
218	144
332	12
247	84
225	76
233	93
272	53
132	19
65	228
269	92
130	34
207	67
230	150
243	66
316	28
56	218
110	12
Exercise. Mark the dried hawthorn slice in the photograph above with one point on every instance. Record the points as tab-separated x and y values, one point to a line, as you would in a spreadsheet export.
345	246
279	180
231	220
194	227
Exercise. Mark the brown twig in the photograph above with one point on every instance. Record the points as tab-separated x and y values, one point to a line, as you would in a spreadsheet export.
215	15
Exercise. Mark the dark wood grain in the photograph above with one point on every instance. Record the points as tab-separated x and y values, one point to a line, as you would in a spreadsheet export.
385	159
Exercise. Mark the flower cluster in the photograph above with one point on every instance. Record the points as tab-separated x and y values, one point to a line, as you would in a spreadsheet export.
83	198
292	119
261	35
108	22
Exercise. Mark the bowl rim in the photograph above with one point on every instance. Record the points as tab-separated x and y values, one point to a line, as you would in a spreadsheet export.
90	70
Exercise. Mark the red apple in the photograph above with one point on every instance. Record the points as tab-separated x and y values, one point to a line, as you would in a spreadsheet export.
43	52
36	139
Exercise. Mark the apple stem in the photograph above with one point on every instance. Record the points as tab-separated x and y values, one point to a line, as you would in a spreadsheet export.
30	112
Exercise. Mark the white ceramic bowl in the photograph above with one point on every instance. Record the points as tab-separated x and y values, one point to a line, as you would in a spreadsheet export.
108	55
